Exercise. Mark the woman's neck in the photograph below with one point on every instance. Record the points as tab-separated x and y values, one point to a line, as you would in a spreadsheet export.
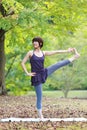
37	50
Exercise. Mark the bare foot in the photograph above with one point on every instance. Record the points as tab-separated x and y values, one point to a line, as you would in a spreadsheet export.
41	117
40	114
77	55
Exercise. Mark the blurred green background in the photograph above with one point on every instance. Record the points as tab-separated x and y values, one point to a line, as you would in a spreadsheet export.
62	24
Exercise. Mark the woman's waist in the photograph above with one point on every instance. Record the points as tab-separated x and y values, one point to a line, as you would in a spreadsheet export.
38	70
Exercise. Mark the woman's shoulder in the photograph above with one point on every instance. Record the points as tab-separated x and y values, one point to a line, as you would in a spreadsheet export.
30	53
44	52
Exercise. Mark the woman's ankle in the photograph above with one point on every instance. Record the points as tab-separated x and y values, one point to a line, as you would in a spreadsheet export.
76	56
40	113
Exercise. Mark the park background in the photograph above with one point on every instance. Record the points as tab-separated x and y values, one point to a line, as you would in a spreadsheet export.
62	24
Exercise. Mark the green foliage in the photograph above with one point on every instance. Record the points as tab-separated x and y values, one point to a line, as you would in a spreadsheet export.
62	24
12	9
67	15
12	5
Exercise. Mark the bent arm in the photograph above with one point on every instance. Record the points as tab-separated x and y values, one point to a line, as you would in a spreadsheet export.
24	61
48	53
28	55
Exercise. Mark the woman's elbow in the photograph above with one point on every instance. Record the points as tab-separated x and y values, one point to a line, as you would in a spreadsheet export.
22	64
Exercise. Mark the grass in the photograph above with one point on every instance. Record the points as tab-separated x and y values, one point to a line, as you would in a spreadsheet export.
71	94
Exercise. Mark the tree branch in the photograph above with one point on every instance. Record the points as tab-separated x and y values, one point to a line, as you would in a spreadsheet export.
3	11
10	66
10	13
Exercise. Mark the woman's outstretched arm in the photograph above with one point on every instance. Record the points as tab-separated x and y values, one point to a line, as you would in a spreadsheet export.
48	53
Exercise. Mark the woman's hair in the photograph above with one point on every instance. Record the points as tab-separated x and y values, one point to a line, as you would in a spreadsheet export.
39	40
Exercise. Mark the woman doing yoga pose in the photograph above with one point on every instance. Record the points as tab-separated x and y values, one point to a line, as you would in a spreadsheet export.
38	73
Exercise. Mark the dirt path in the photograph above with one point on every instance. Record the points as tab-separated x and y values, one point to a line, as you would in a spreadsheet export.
24	107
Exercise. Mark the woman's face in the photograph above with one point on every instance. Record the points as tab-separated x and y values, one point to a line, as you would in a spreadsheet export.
36	44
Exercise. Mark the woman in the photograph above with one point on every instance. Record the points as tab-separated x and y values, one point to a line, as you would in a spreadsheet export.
38	73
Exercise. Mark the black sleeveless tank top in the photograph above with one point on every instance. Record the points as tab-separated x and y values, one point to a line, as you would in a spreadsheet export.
37	66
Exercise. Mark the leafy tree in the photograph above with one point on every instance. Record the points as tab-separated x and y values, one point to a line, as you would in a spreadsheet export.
73	76
7	10
15	19
21	20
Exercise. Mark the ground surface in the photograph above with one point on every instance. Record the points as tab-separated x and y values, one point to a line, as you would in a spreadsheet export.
24	107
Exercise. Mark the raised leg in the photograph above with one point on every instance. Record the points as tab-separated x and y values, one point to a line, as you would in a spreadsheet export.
62	63
56	66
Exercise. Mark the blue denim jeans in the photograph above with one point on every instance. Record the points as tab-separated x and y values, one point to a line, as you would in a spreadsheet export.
50	70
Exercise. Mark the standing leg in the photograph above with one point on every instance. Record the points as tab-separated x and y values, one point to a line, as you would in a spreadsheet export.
38	90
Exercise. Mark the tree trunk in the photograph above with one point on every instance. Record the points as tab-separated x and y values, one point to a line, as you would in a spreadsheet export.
65	92
2	63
